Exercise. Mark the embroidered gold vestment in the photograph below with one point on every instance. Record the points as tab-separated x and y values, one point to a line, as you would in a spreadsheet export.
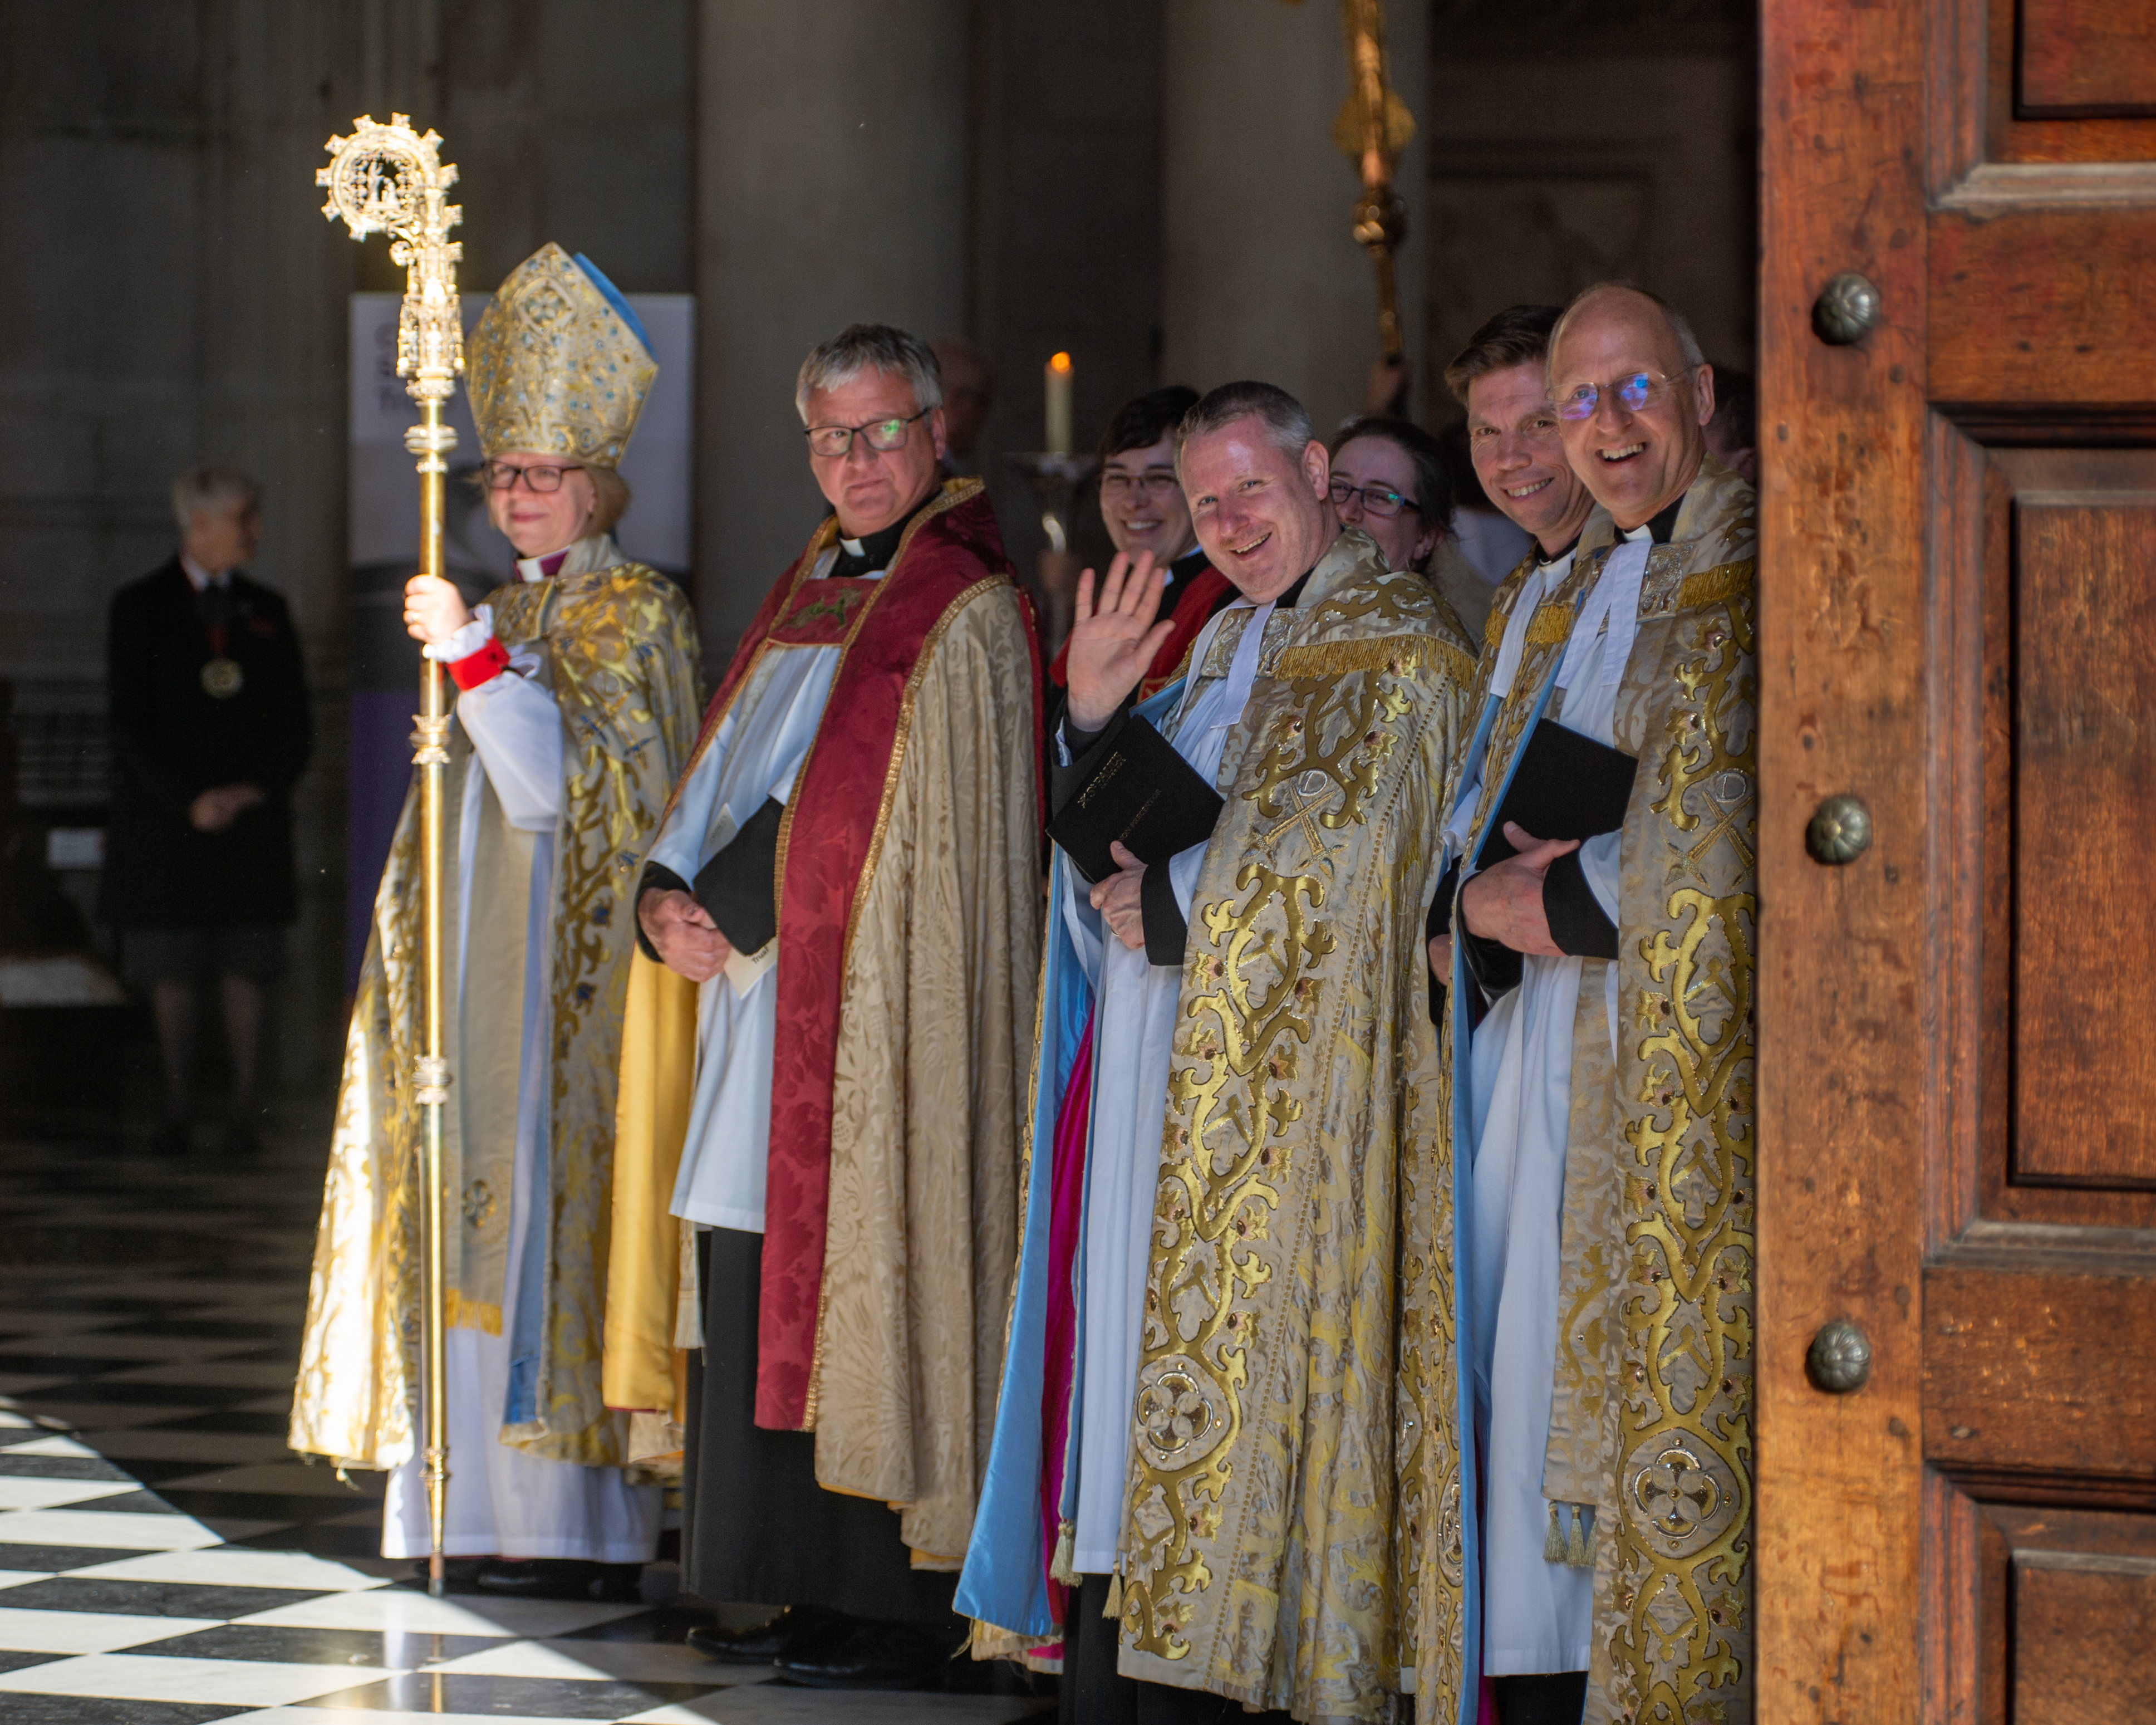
1650	1417
934	986
620	655
1282	1472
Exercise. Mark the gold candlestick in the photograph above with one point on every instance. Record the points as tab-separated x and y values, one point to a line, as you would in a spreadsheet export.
388	179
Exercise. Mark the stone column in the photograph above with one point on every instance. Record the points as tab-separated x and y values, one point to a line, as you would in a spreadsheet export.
831	188
1263	278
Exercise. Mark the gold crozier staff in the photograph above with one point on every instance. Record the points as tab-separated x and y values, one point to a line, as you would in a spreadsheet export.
389	179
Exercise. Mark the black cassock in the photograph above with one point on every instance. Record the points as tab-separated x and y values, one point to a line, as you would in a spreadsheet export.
757	1529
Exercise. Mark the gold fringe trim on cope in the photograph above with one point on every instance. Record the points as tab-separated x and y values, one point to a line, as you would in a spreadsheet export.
1550	626
461	1313
1400	654
1711	586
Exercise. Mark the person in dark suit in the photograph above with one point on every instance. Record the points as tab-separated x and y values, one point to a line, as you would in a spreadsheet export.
210	731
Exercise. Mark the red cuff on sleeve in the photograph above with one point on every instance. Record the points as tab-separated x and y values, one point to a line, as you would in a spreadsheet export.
483	666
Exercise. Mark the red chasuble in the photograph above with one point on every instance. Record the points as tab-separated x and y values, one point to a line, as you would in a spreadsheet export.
885	627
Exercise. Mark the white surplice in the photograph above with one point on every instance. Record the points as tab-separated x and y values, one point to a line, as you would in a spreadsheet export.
1133	1032
757	755
1537	1615
503	1502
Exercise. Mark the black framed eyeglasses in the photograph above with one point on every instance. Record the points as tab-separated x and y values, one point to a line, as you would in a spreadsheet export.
833	441
1382	501
502	476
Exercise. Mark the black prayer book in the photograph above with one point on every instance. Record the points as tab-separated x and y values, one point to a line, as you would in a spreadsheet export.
1141	793
1566	787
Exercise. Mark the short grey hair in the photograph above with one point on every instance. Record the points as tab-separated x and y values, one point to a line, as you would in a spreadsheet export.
1687	343
214	488
871	346
1286	419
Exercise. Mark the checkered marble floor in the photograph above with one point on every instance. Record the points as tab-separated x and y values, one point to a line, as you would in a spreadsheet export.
165	1560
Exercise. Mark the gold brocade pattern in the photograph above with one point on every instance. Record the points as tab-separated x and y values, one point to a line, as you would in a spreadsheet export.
929	1074
1651	1396
553	368
1263	1558
619	651
1431	1552
1680	1649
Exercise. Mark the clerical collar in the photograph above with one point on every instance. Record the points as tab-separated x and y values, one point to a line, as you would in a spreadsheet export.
867	555
1555	557
544	568
1660	530
1286	602
200	578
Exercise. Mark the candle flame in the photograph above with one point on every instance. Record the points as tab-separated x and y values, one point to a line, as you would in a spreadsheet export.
1059	362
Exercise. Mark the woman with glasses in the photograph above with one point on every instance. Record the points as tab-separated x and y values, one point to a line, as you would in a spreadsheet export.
577	705
1389	479
1142	503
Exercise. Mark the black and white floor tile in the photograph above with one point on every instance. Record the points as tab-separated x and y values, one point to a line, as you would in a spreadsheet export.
166	1559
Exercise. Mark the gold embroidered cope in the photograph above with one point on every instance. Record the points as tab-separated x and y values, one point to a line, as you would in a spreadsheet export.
620	656
1650	1417
1281	1450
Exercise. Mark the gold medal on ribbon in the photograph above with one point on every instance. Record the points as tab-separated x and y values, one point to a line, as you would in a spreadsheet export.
222	678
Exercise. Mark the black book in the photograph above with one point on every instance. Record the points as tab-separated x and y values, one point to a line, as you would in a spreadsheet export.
1140	794
1566	787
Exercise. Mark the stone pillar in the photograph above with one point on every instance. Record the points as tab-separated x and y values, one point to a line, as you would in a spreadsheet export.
1263	278
831	188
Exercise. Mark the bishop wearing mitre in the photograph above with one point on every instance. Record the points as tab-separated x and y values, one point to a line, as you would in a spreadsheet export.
825	1082
577	702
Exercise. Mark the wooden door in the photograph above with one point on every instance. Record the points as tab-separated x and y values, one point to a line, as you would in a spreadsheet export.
1957	1029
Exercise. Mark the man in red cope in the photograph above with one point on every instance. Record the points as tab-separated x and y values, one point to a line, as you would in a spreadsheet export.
848	873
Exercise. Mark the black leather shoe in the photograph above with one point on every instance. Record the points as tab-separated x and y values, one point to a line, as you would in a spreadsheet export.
560	1579
876	1655
460	1574
797	1632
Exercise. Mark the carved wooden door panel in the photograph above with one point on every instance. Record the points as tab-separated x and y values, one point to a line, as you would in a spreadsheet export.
1958	1027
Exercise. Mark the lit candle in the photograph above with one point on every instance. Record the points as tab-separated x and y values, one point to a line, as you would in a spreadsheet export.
1058	404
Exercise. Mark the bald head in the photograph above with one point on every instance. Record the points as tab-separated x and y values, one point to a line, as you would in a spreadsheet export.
1632	398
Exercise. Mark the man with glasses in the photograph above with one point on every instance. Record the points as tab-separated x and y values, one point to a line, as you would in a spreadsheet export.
1142	503
1201	1472
1601	1038
845	896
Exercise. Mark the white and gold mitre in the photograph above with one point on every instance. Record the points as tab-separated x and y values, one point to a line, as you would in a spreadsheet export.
558	364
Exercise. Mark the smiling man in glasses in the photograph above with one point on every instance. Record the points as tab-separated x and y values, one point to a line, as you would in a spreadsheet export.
1198	1475
1601	1036
827	1076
